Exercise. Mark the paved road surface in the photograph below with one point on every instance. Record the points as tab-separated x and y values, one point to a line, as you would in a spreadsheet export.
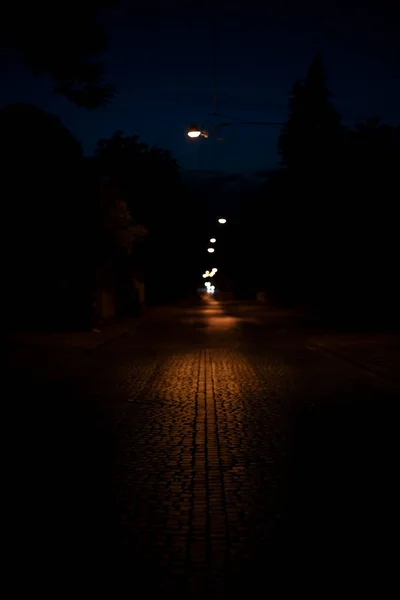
213	453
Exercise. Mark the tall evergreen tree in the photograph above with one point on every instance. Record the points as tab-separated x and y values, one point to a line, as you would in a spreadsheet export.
313	128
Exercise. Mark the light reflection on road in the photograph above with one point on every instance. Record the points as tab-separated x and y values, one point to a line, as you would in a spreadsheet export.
215	317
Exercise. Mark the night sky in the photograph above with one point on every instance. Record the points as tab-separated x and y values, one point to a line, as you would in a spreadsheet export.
160	61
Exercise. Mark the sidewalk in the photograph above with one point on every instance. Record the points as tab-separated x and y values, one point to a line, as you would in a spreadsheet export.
377	353
40	355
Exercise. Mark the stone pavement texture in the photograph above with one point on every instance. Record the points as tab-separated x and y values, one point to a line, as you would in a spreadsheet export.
213	454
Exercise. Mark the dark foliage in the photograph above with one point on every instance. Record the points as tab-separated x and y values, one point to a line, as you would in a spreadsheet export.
326	223
148	178
76	226
313	129
61	39
41	178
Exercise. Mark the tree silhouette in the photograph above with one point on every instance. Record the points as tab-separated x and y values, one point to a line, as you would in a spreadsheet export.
40	166
306	201
61	40
44	233
370	235
333	208
144	174
148	178
312	130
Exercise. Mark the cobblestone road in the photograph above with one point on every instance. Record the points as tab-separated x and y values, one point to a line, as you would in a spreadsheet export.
216	453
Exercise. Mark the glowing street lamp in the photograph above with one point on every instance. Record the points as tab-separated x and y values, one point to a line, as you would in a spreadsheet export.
195	131
213	240
215	130
222	221
210	250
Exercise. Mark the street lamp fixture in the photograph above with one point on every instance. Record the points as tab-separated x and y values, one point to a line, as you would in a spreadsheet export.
195	131
215	130
210	250
222	221
213	240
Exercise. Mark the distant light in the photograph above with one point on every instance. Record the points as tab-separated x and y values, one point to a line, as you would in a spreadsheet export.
194	134
205	275
222	221
211	250
213	240
215	269
207	284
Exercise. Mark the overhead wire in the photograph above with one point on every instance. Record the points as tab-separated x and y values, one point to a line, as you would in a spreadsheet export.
214	66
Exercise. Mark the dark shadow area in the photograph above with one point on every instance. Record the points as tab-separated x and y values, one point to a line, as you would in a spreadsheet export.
68	528
61	488
343	503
